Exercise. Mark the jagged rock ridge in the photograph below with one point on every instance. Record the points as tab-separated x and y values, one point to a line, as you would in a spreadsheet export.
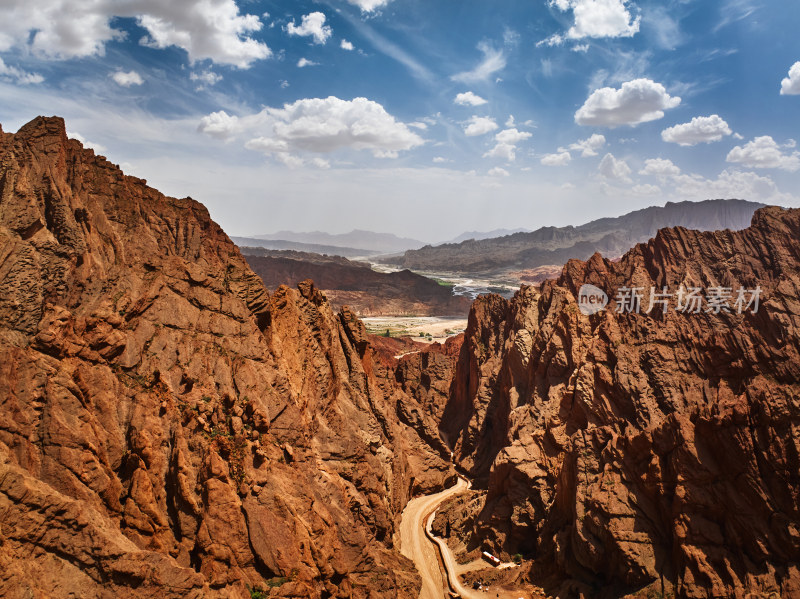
167	426
626	451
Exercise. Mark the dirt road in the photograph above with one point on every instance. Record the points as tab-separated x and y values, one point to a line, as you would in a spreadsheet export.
417	544
414	544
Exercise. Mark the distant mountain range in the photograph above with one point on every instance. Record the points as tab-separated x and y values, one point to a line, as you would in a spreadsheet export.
314	248
612	237
486	234
364	241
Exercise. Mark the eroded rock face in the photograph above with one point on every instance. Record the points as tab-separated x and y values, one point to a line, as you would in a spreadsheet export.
625	451
167	427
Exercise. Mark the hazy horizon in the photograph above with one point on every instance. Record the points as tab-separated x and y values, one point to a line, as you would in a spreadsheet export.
420	119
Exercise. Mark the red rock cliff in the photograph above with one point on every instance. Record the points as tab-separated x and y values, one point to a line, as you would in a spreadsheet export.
627	451
166	426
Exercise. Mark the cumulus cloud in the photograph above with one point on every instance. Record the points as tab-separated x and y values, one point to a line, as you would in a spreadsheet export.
205	29
559	159
611	168
637	101
469	99
205	78
480	125
498	172
18	75
305	62
219	124
369	5
701	129
512	136
345	45
597	19
127	79
506	146
316	125
646	189
791	84
764	152
589	146
312	25
494	60
660	167
730	184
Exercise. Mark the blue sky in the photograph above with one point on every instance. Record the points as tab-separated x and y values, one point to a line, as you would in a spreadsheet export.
421	118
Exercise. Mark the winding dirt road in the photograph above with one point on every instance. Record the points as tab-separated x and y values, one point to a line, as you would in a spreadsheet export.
416	545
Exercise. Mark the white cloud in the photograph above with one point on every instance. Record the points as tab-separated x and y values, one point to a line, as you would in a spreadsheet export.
206	78
506	146
18	75
316	125
469	99
440	159
597	19
219	124
560	159
63	29
637	101
764	152
494	60
510	121
660	167
611	168
512	136
369	5
312	25
127	79
701	129
480	125
791	84
345	45
731	184
419	125
498	172
305	62
507	152
646	189
589	146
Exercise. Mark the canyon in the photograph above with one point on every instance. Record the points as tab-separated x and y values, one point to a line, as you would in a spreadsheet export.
357	285
175	426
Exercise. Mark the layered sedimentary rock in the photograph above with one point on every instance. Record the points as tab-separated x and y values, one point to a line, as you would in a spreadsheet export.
356	285
626	451
169	428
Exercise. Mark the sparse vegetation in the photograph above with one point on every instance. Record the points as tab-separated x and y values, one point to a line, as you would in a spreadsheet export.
257	593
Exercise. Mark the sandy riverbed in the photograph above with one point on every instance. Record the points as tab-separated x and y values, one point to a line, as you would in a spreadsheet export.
439	328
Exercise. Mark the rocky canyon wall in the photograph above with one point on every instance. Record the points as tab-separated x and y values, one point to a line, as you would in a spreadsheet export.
625	451
168	428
